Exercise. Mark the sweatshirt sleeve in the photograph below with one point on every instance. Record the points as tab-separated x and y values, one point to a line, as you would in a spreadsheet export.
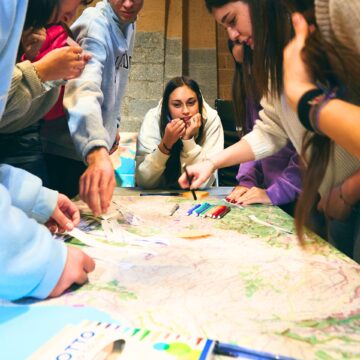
268	135
150	161
286	187
345	18
27	193
31	261
83	99
11	24
212	144
249	174
25	87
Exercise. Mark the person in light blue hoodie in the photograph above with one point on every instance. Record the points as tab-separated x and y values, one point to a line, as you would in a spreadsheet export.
93	104
32	263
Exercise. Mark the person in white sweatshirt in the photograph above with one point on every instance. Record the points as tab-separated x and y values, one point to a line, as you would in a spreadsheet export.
182	130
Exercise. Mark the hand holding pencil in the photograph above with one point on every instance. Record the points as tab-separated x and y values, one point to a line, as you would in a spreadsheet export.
197	173
189	179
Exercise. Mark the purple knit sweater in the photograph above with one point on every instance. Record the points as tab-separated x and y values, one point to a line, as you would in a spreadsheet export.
278	174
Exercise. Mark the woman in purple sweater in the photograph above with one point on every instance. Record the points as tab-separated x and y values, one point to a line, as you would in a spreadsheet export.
274	180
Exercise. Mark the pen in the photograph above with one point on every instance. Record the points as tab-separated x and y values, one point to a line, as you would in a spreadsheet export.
189	181
192	209
173	210
223	213
245	353
161	194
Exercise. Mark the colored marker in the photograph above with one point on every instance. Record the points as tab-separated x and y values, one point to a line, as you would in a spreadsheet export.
189	180
245	353
223	213
216	213
174	209
203	214
189	212
199	210
213	210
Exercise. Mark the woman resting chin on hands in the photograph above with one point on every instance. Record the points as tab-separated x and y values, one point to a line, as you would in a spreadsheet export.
182	130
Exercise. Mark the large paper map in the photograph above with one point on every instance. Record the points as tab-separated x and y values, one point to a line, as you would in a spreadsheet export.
242	281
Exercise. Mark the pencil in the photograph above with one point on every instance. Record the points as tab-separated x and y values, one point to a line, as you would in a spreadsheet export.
189	181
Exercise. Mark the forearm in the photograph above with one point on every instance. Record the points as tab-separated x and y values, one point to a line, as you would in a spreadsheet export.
25	87
27	193
340	121
233	155
31	261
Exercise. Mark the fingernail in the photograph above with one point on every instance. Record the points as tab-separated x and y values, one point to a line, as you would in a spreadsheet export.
296	19
69	226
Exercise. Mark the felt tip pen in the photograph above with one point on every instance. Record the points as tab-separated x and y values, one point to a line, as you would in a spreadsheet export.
246	353
174	209
207	211
223	213
200	209
161	194
213	210
189	212
217	212
189	180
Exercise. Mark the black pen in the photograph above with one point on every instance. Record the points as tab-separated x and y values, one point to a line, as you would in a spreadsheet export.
161	194
189	181
246	353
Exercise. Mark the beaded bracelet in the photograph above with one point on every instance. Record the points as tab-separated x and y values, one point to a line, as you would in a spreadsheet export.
304	107
316	106
166	148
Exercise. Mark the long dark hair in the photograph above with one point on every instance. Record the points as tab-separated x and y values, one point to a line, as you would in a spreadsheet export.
326	67
271	29
39	12
244	92
173	166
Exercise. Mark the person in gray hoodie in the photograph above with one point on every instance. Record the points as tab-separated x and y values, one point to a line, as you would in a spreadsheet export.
93	103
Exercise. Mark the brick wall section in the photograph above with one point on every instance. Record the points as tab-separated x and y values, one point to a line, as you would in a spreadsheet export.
201	66
146	79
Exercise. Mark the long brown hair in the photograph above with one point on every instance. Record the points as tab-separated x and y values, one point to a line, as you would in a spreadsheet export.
173	166
326	67
271	29
244	92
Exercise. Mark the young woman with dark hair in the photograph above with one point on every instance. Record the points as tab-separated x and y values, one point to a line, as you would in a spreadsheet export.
316	62
182	130
46	57
276	179
265	26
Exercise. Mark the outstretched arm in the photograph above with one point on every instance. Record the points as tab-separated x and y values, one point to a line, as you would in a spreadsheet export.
339	120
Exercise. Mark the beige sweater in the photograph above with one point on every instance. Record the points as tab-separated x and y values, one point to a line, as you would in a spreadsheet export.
339	21
28	100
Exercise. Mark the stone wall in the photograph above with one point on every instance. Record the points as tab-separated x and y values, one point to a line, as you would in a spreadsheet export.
146	79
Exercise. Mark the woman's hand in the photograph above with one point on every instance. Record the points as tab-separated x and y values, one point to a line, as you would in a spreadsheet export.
198	173
32	40
254	195
236	193
192	126
77	266
297	80
65	216
174	130
64	63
